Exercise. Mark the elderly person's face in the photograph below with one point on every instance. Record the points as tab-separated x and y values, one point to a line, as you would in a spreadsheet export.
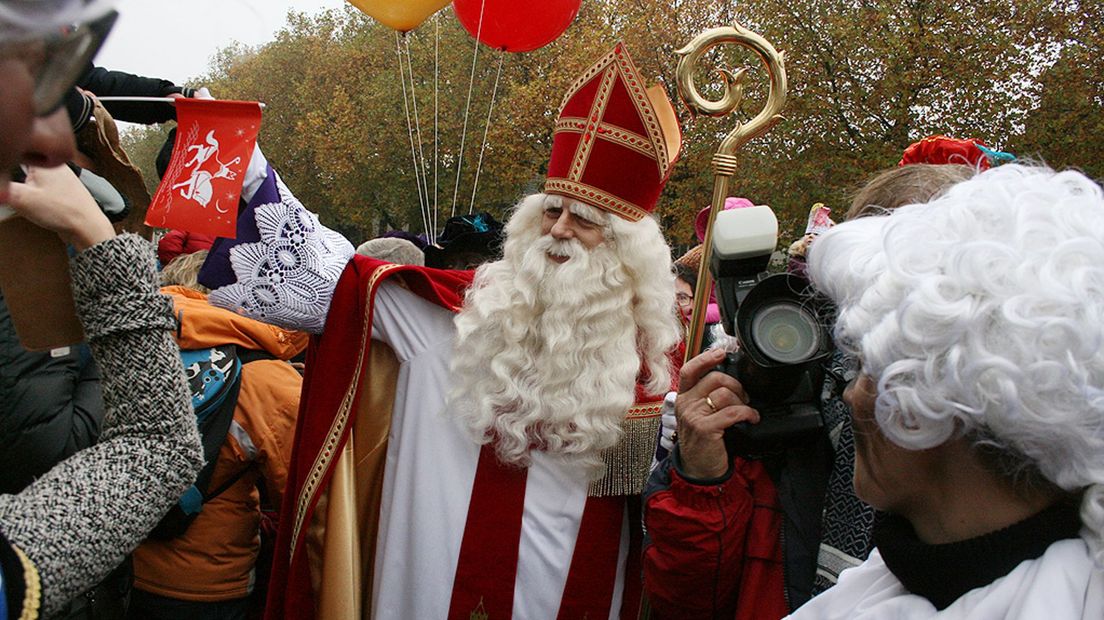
885	473
563	224
37	69
26	138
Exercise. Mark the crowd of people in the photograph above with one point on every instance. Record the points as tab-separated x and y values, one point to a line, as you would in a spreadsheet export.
500	424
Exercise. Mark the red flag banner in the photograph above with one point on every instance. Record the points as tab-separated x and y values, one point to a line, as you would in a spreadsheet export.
200	190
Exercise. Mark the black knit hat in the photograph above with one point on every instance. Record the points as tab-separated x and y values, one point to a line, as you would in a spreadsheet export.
467	239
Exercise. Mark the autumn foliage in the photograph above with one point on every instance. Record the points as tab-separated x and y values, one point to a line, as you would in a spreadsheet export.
866	77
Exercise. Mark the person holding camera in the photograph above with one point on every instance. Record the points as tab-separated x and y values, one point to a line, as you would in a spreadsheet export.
751	514
978	408
755	531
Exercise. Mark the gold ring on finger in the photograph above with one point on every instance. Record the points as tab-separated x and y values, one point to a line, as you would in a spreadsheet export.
712	407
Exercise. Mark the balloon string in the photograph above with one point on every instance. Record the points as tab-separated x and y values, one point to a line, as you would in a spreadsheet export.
467	108
410	132
486	131
418	127
436	116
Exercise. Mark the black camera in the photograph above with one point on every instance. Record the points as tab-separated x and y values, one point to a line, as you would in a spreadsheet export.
781	325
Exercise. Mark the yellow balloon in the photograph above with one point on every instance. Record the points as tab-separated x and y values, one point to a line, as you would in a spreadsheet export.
402	15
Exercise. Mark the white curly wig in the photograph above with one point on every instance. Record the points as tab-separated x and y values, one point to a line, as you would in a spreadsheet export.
981	314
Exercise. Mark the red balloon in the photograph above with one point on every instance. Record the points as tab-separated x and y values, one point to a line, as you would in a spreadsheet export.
516	25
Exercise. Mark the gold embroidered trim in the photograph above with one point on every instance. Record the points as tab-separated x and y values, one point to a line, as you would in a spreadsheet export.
590	134
480	611
616	64
32	586
570	123
594	196
337	429
628	463
587	76
648	410
610	133
644	110
620	58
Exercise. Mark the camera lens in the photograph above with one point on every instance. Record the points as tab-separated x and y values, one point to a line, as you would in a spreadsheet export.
786	332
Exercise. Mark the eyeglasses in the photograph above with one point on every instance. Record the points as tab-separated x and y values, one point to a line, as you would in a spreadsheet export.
57	60
683	299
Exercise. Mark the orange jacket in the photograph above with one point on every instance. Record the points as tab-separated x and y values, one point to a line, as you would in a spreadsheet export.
213	560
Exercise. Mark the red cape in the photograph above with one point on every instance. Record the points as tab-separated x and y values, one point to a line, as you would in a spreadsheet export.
333	367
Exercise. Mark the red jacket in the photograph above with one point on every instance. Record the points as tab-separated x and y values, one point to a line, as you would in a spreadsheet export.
714	551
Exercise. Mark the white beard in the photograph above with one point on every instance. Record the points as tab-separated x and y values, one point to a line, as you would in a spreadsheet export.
546	354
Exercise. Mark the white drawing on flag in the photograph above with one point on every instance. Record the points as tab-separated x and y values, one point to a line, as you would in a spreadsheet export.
200	185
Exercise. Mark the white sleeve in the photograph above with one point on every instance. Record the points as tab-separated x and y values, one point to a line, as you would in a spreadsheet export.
667	428
409	324
255	174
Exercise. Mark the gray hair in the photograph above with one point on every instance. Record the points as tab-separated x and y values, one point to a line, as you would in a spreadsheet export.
392	250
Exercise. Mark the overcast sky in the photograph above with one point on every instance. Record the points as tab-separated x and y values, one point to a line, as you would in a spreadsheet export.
176	40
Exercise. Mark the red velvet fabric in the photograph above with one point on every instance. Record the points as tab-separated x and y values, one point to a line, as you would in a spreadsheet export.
487	568
331	361
589	162
944	150
588	592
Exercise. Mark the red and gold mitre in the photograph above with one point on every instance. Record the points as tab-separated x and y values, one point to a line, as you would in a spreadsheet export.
615	141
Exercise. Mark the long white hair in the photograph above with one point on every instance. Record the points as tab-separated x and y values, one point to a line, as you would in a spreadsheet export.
981	314
548	355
